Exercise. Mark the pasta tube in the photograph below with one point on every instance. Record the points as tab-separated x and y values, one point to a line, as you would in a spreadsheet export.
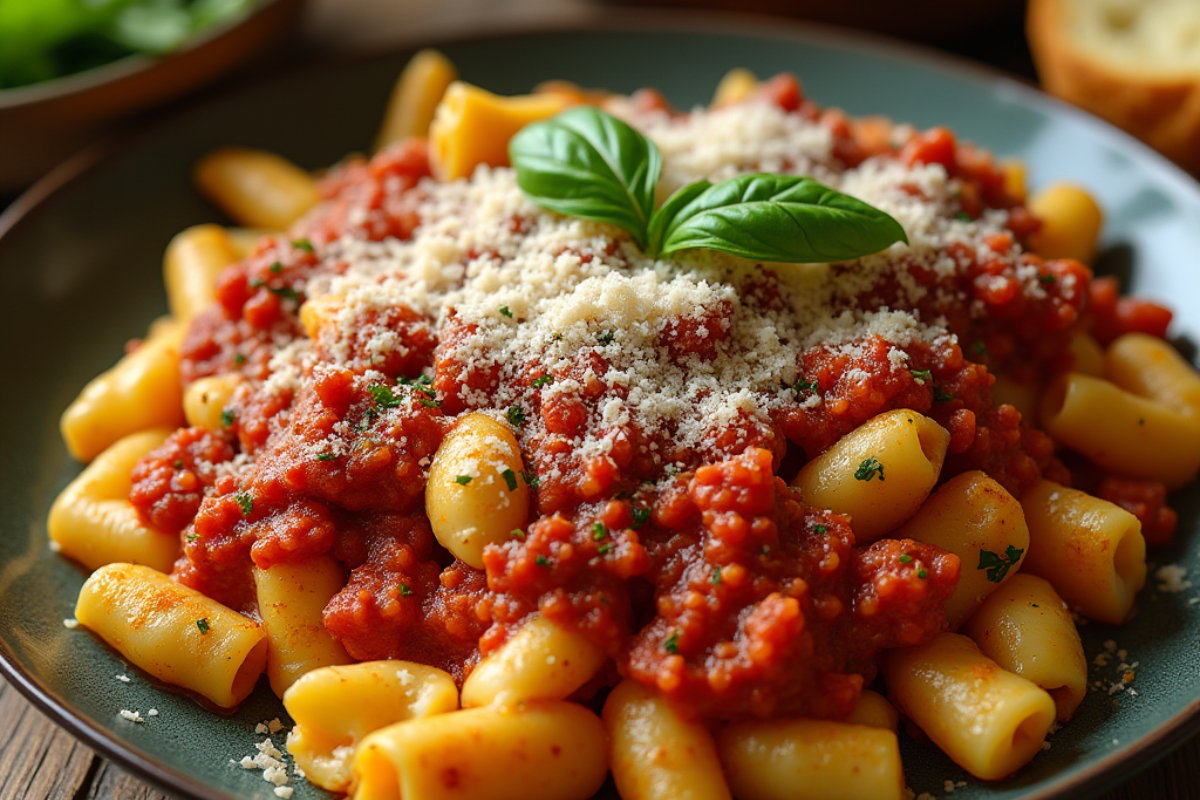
879	473
541	661
291	598
193	260
173	632
560	747
657	755
973	517
1122	432
474	496
990	721
336	707
1091	551
93	522
256	188
805	759
415	97
472	127
204	401
1150	367
142	391
1025	628
874	711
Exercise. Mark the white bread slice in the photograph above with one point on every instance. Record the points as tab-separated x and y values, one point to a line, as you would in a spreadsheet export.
1135	63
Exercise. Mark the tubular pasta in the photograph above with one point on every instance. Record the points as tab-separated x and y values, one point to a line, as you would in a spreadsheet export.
987	719
175	633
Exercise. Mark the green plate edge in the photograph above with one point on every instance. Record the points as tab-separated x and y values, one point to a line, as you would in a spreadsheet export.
79	275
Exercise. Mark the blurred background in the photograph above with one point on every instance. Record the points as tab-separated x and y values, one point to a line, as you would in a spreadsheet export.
75	72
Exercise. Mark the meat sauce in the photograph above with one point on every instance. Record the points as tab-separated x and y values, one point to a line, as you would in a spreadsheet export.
713	582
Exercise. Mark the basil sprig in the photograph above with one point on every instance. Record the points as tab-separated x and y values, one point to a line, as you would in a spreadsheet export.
589	164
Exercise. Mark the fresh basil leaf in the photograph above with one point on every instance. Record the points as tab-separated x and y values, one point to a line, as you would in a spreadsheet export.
774	218
589	164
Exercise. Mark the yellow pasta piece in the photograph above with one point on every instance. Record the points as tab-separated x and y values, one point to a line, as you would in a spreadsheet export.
175	633
204	400
472	127
1150	367
735	86
141	391
541	661
1091	551
256	188
475	496
1013	170
1122	432
560	749
415	97
879	473
192	262
990	721
874	711
337	707
656	754
971	515
1089	355
1071	222
93	522
805	759
291	599
1026	629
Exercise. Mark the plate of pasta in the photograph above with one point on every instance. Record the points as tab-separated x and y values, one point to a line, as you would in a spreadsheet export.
769	425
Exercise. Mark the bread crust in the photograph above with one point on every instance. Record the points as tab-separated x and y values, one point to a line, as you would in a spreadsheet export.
1160	108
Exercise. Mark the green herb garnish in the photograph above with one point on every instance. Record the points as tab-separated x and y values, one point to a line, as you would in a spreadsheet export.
589	164
505	312
383	396
227	417
671	643
599	531
245	502
516	416
405	591
869	468
541	381
510	479
302	244
716	576
203	625
641	516
921	375
463	480
906	559
998	565
541	561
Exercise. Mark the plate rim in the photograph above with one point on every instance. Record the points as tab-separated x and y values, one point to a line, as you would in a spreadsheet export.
1117	766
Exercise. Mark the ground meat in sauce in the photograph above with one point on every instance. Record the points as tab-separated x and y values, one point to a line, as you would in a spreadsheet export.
708	579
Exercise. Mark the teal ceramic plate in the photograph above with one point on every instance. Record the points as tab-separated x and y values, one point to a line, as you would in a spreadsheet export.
80	274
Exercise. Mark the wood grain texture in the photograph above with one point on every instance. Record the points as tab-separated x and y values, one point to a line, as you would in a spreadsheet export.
39	761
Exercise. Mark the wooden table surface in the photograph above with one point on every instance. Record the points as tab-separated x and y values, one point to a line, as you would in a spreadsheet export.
40	761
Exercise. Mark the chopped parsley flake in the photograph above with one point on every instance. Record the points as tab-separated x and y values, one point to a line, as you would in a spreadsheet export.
979	348
942	396
505	312
922	574
286	292
463	480
541	381
716	576
530	477
276	267
906	559
599	531
998	565
405	591
604	548
869	468
203	625
179	463
227	417
921	375
383	396
516	416
191	537
510	479
802	386
325	456
1047	278
671	643
963	216
819	528
239	359
641	516
302	244
605	337
517	533
245	502
425	401
541	561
